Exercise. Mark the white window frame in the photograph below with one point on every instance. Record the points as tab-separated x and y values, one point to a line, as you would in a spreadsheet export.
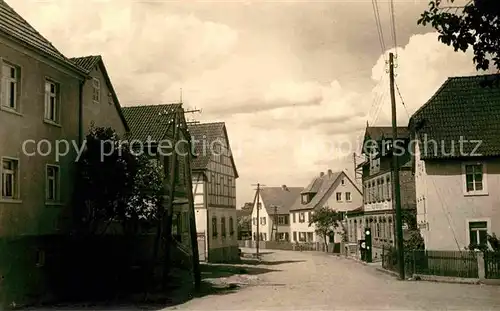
484	191
6	80
348	197
57	181
338	196
469	220
96	90
302	217
17	184
57	99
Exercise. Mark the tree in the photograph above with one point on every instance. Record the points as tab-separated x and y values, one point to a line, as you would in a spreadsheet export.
146	198
114	184
326	221
476	25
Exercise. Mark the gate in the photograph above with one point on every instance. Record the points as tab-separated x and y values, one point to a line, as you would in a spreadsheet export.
492	265
202	246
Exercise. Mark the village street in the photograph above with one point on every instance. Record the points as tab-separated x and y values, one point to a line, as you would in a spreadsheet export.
316	281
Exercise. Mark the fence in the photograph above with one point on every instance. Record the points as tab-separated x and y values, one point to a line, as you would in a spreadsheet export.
492	265
439	263
290	246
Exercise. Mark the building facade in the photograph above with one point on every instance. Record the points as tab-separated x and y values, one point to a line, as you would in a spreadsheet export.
41	109
333	190
214	188
457	164
153	125
101	106
273	219
377	178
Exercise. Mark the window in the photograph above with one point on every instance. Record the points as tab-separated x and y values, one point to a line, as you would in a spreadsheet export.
263	220
339	196
348	196
365	193
254	221
214	227
10	85
52	192
478	233
305	199
302	236
51	101
293	216
369	193
342	182
295	236
309	216
223	227
384	190
96	90
10	178
302	217
475	182
389	187
310	237
282	220
231	226
110	98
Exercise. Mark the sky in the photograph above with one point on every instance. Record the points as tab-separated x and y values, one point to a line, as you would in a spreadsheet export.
295	81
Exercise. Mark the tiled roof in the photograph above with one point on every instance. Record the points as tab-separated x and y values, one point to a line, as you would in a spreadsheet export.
461	108
323	184
203	135
16	27
282	197
87	63
150	121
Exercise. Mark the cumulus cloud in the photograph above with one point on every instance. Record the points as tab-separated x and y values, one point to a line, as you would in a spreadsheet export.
284	126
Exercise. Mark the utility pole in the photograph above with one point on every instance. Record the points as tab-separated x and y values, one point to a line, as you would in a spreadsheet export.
397	190
192	220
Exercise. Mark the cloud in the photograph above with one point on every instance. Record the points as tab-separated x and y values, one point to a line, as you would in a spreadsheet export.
285	125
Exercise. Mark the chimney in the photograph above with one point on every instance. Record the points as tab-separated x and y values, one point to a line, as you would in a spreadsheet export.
321	174
284	187
330	173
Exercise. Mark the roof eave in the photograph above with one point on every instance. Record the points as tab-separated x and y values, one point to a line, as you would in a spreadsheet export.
65	63
113	93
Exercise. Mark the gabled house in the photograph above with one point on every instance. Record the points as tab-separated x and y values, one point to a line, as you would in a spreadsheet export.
152	127
100	102
214	188
377	178
334	190
42	100
274	205
457	163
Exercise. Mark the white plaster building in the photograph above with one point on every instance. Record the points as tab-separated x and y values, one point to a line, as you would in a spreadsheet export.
456	187
334	190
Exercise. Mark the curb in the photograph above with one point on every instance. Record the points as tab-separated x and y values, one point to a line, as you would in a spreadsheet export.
388	272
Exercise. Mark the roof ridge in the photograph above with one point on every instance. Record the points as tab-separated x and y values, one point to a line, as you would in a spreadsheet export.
32	28
152	105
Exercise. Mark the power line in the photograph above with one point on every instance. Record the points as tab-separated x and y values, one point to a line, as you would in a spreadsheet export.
376	14
402	101
393	24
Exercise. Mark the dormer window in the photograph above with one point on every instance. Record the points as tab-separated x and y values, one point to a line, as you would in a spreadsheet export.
305	198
